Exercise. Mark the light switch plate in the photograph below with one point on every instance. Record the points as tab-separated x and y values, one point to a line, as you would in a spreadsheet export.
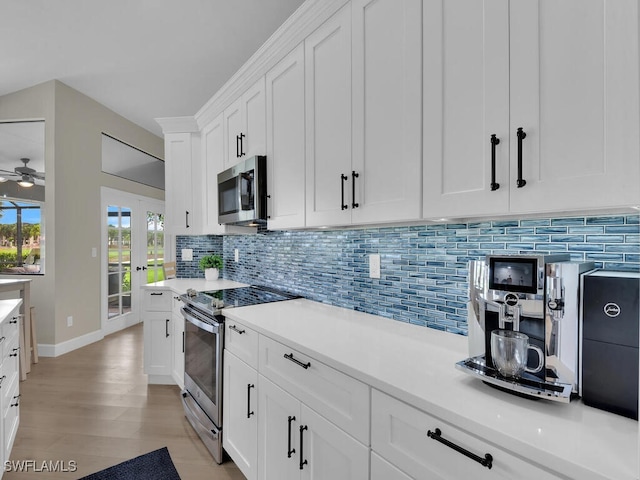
187	255
374	265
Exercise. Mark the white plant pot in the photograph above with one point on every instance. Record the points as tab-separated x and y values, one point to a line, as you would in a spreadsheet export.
211	273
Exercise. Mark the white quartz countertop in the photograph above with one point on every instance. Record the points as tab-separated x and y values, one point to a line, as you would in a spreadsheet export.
416	364
180	285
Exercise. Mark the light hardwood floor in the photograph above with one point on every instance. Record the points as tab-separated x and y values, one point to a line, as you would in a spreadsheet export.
93	406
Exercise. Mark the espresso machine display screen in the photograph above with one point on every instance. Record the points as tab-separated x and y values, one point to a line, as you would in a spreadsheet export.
513	275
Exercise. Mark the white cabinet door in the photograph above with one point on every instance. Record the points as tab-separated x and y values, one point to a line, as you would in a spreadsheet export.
157	343
244	125
574	92
285	142
278	433
328	121
213	163
466	101
328	452
180	189
240	403
387	87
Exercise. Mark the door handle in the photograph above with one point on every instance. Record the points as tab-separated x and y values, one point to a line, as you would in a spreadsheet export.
494	141
302	461
289	449
166	328
241	151
249	411
521	136
142	268
343	177
354	175
186	218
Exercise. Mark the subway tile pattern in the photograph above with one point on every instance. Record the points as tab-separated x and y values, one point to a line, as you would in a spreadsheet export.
201	245
423	268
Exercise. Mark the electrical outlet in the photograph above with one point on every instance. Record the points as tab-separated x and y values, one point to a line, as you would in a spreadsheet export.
186	255
236	255
69	321
374	265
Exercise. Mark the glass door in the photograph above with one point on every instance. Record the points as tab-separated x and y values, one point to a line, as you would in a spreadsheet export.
155	246
118	260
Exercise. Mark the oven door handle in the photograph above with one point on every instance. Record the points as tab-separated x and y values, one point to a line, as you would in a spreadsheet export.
199	323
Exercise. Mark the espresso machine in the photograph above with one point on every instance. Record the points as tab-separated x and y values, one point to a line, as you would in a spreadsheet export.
538	295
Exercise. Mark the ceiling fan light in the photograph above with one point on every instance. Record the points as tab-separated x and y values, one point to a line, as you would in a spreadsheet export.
26	181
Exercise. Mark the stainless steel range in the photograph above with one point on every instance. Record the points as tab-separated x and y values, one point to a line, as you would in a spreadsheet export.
204	345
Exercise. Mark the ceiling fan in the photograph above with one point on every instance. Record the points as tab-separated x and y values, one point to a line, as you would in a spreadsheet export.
25	176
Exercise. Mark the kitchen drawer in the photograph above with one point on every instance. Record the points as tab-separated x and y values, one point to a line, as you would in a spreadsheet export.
11	326
339	398
157	300
399	434
242	342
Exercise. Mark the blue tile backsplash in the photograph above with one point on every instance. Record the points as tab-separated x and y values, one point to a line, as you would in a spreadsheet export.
423	268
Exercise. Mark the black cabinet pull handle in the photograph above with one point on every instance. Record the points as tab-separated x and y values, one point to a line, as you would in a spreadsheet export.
240	137
186	219
521	136
343	177
237	146
354	175
302	462
14	320
486	461
15	352
17	399
236	329
166	327
182	342
156	293
296	361
289	449
2	379
494	141
249	411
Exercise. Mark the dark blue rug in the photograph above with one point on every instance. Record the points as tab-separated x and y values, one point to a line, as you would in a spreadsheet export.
156	465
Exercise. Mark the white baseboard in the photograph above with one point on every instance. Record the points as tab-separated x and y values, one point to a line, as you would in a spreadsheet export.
48	350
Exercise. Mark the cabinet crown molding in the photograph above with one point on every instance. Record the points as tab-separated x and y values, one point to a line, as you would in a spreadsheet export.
178	124
309	16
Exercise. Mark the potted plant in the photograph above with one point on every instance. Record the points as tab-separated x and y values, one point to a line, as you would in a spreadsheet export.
211	265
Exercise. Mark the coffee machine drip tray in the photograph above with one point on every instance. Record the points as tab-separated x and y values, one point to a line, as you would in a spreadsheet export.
526	385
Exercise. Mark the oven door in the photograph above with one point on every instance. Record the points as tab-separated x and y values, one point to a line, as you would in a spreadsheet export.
203	362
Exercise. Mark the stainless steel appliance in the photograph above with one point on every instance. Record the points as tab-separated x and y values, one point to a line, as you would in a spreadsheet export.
537	295
242	193
204	344
609	316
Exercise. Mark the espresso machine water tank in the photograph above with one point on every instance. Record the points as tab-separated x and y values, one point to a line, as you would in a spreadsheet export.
610	311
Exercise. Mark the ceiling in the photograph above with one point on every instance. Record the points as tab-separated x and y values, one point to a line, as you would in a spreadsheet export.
143	59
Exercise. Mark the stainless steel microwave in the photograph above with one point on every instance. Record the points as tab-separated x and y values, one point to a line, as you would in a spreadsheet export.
242	193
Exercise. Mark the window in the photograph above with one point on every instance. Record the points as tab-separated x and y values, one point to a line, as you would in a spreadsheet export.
21	237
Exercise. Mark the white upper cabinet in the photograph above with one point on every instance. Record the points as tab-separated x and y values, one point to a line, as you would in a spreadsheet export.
363	129
286	142
387	87
328	121
213	156
575	94
566	73
466	101
244	125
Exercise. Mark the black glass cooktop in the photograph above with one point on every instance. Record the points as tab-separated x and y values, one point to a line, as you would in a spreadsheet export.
212	302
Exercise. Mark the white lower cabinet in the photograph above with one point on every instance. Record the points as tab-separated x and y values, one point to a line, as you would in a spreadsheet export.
9	383
240	428
157	346
399	434
297	443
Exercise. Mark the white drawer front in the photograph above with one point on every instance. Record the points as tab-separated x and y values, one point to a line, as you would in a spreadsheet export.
242	342
11	326
399	434
157	300
339	398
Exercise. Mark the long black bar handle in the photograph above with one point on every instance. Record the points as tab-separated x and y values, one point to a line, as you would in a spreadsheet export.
494	141
303	462
290	450
242	152
166	328
354	175
182	342
249	411
486	461
296	361
237	146
186	218
236	329
521	136
153	294
343	178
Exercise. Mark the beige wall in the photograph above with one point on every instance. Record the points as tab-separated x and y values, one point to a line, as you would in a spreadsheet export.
73	127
